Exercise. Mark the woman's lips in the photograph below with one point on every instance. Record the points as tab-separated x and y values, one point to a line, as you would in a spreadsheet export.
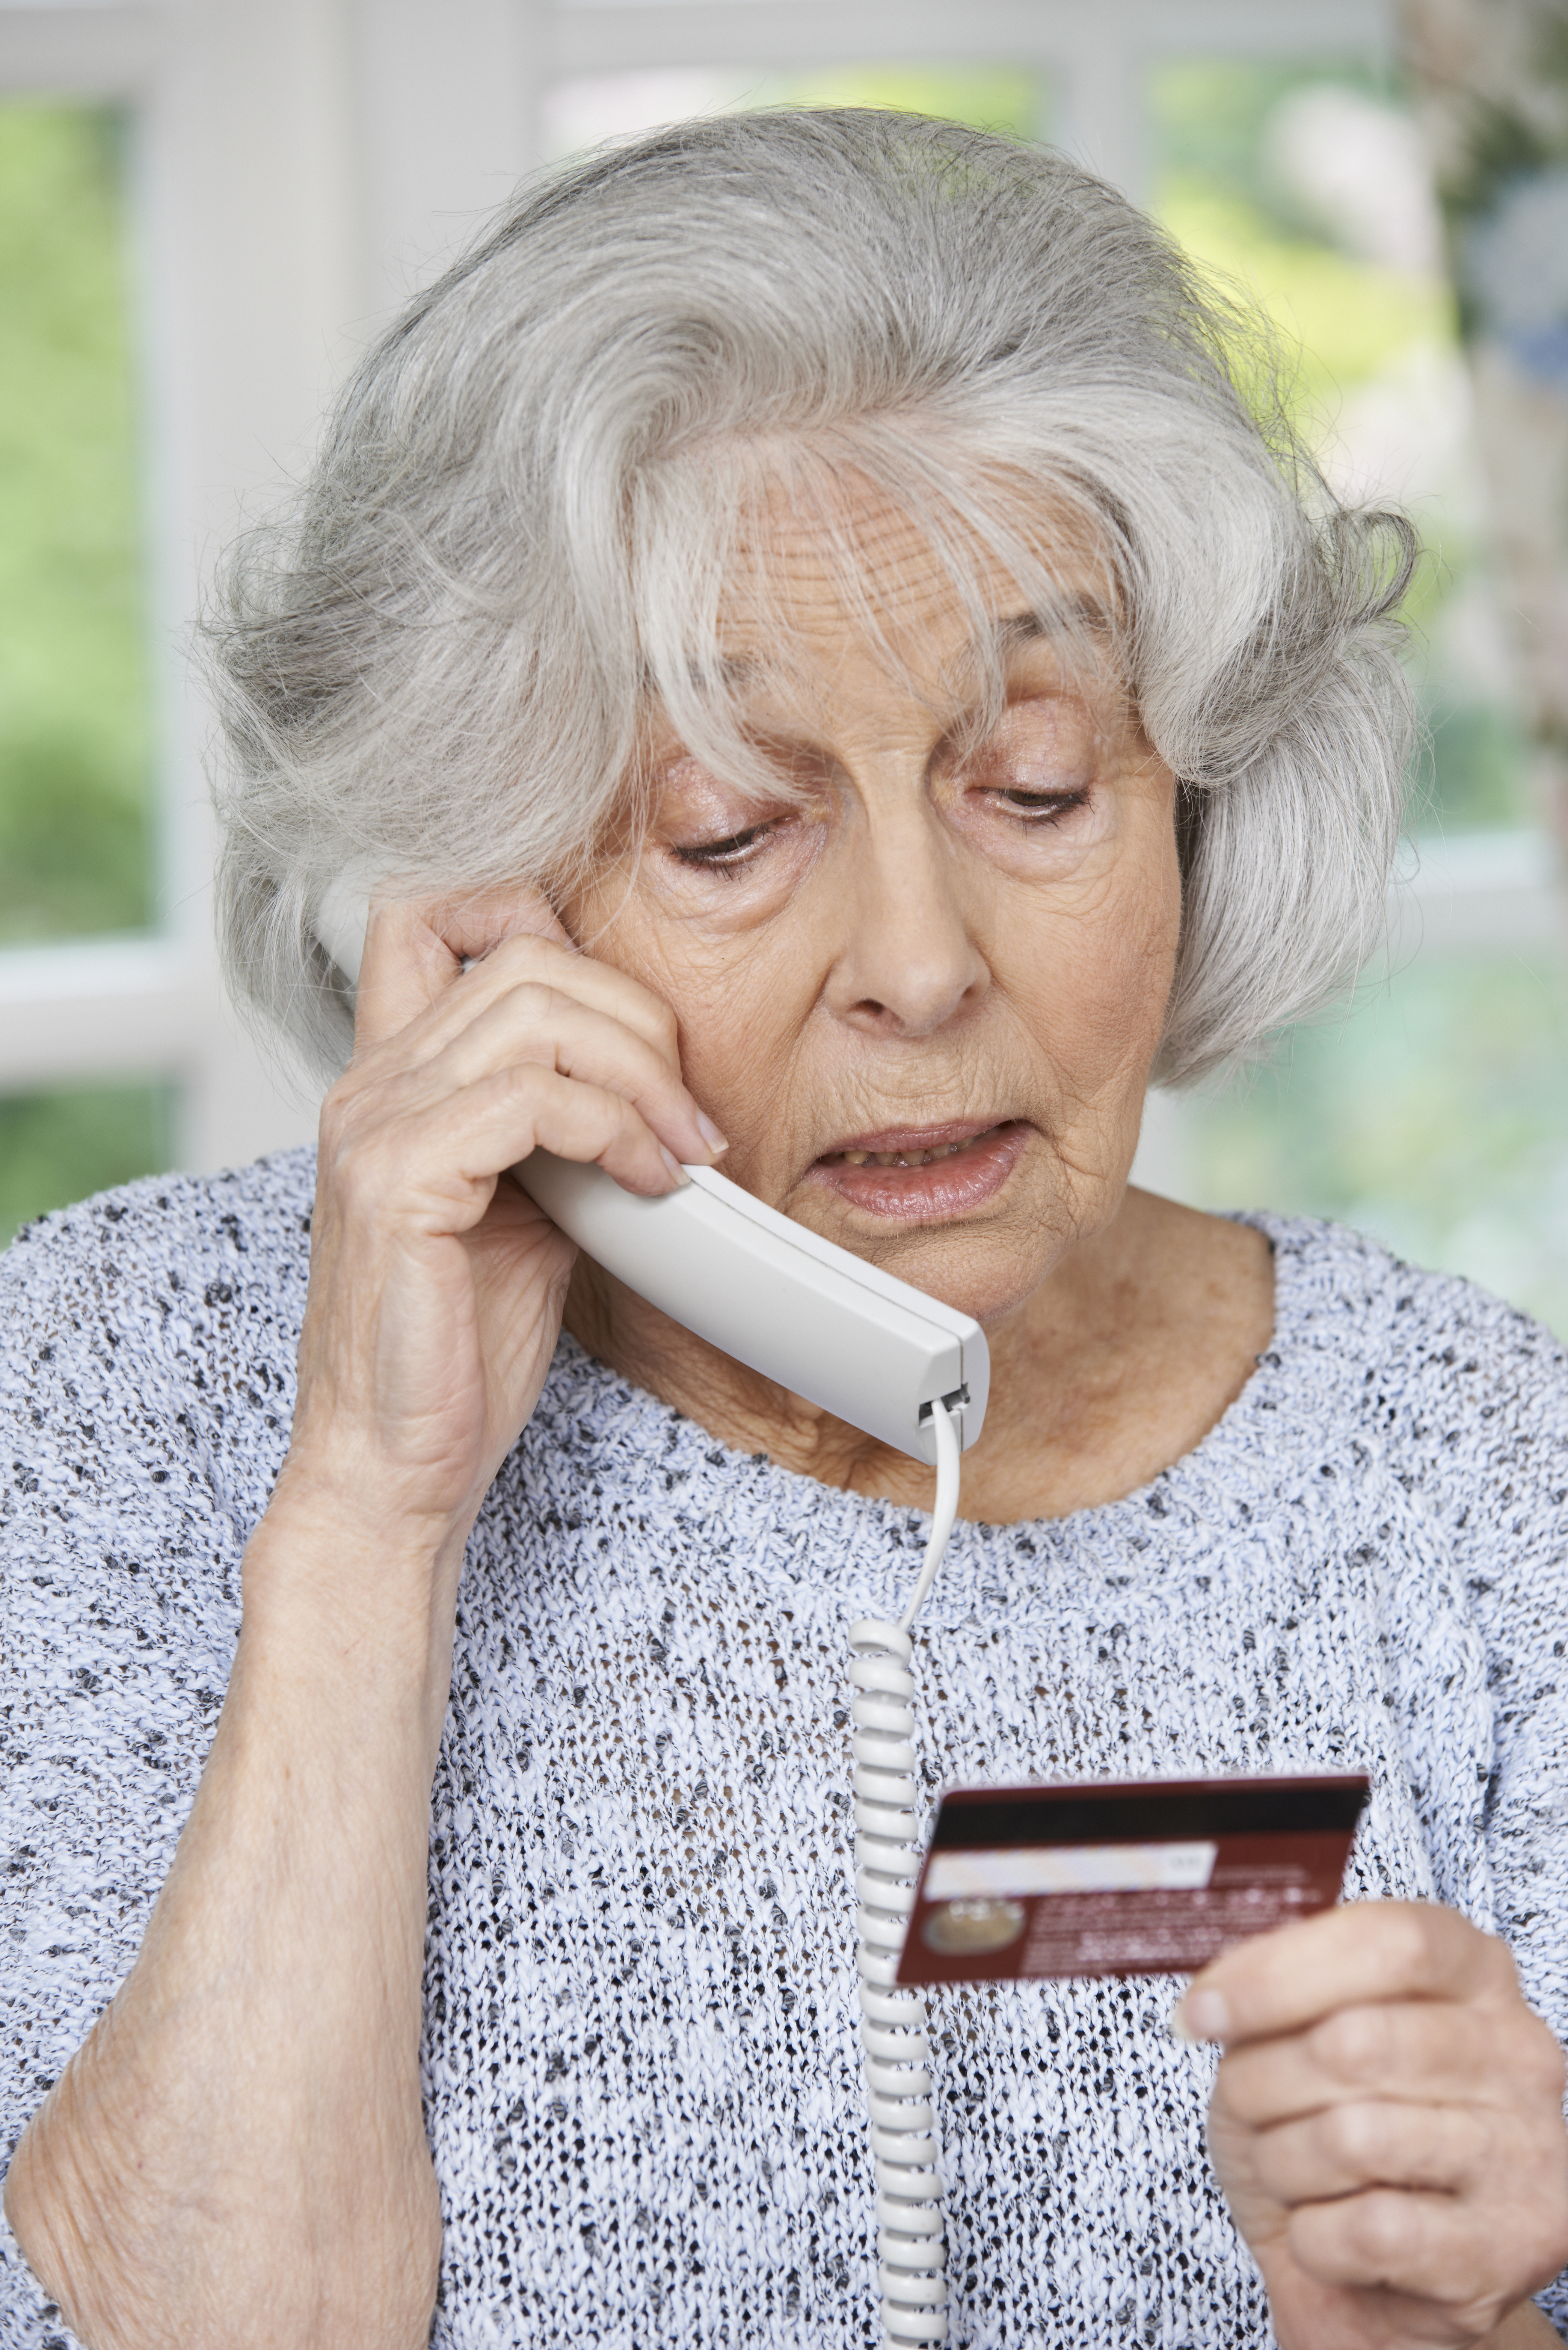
923	1175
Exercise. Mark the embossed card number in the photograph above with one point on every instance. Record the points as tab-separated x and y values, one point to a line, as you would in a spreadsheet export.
1139	1877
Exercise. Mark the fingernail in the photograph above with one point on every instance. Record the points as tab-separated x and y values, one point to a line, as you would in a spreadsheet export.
1201	2015
710	1133
674	1166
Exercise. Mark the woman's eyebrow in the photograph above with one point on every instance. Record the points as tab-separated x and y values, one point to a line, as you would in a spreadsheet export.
1072	616
1071	621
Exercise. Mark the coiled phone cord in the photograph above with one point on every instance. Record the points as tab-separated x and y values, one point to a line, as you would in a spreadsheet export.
894	2034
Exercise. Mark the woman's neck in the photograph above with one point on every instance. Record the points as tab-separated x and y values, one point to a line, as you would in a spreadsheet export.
1118	1365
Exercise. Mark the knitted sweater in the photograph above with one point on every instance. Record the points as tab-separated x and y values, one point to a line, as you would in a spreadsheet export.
640	2069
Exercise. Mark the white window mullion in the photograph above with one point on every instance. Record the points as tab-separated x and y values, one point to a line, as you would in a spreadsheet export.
448	109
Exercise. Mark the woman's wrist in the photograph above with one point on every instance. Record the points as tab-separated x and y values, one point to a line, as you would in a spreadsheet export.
344	1595
346	1492
334	1514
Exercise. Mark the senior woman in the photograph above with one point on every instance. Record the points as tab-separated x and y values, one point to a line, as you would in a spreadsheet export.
830	675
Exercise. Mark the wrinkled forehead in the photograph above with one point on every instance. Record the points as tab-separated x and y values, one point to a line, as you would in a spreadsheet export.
852	549
821	578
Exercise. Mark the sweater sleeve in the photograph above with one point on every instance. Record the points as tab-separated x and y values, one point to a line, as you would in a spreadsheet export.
1474	1405
144	1404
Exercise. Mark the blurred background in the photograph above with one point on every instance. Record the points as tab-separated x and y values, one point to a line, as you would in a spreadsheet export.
206	206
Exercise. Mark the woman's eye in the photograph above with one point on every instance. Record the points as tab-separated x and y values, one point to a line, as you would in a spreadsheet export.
737	849
1038	811
1036	769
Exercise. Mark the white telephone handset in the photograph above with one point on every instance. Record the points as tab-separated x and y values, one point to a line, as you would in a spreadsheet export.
800	1310
909	1370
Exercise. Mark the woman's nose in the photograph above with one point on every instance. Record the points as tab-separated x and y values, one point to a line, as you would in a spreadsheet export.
908	963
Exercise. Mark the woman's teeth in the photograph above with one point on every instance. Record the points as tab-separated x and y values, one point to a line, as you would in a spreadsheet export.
907	1158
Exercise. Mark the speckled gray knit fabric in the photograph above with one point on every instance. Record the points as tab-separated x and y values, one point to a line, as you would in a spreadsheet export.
639	2055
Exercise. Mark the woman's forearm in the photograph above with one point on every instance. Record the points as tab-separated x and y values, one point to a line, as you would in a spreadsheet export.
236	2154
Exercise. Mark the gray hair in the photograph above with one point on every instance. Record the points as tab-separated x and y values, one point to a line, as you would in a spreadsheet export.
517	531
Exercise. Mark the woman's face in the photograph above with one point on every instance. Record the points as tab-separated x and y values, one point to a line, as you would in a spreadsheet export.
920	992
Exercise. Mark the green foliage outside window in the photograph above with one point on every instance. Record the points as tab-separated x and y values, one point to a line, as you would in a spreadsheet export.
74	718
1345	321
75	822
59	1146
1433	1113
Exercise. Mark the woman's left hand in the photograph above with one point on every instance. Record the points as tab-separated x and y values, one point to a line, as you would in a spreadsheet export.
1387	2125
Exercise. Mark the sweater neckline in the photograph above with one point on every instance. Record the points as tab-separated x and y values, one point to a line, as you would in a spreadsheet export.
1232	1468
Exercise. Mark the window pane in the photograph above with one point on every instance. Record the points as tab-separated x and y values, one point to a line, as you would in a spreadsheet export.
59	1146
1307	182
1433	1116
74	828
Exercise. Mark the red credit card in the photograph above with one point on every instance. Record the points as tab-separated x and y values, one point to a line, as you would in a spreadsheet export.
1138	1877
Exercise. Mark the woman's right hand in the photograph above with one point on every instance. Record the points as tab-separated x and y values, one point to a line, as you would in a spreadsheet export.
238	2148
436	1285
